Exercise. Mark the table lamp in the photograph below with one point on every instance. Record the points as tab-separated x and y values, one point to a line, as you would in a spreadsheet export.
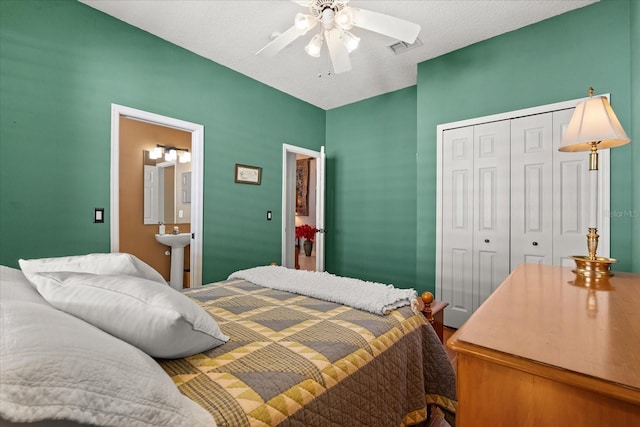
593	126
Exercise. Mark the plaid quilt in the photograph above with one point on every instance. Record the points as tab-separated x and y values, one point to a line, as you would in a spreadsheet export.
294	360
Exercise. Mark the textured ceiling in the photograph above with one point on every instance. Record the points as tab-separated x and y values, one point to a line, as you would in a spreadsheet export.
231	32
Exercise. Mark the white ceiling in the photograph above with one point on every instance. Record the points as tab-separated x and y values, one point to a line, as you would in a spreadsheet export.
231	32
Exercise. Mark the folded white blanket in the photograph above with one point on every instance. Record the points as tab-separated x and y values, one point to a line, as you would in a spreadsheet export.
374	297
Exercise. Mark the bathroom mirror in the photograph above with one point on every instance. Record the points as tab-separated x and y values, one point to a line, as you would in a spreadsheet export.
166	191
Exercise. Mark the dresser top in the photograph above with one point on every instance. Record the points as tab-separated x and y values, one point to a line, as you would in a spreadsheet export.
539	314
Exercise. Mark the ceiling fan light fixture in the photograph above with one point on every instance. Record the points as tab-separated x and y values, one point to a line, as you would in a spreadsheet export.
336	20
304	22
344	18
315	46
350	41
328	18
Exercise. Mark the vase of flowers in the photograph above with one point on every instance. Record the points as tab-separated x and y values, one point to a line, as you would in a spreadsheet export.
308	233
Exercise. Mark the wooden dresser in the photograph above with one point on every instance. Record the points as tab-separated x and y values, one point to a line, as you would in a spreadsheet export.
542	351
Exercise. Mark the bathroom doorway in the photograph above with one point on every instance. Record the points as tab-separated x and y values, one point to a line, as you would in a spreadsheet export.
195	137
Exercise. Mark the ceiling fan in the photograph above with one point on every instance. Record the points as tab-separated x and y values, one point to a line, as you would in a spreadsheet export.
336	19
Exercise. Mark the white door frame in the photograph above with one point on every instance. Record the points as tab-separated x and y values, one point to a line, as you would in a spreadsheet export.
197	168
289	203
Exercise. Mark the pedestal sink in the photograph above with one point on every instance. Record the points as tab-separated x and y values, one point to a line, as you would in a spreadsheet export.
176	242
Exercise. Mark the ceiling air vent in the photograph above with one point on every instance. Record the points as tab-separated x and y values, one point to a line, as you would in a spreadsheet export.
401	47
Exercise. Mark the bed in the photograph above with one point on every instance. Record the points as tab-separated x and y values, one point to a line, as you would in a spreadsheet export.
240	354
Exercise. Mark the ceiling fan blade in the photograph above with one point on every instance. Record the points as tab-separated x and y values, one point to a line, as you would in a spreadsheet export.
304	3
337	51
393	27
280	42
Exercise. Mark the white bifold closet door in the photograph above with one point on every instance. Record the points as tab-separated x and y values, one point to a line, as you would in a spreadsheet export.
457	224
549	192
508	196
531	190
571	196
491	200
475	253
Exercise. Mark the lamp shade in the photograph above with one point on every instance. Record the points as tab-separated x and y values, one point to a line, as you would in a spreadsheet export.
593	121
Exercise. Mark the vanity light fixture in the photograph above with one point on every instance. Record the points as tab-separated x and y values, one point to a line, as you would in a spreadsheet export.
170	153
156	153
185	157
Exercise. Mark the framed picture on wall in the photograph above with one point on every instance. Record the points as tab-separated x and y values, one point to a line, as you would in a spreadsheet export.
246	174
302	187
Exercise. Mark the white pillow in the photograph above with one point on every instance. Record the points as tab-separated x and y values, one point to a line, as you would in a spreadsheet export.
15	286
55	366
153	317
111	263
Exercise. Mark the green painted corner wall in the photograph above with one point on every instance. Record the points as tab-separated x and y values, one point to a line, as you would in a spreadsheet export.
62	64
551	61
371	187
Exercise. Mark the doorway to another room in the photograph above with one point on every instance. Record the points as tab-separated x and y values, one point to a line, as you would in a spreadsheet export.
305	258
138	211
303	189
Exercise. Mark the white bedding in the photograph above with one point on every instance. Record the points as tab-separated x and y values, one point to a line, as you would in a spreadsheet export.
68	369
151	316
56	369
374	297
100	263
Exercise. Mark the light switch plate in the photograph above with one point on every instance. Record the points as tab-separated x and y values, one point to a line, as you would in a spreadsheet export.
98	215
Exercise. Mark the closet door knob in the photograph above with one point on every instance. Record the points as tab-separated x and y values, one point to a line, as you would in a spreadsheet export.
486	240
535	243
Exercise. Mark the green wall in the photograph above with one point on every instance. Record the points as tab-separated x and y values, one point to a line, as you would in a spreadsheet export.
635	131
62	64
371	188
551	61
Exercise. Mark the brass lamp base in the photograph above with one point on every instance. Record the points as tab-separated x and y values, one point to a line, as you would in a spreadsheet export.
593	269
